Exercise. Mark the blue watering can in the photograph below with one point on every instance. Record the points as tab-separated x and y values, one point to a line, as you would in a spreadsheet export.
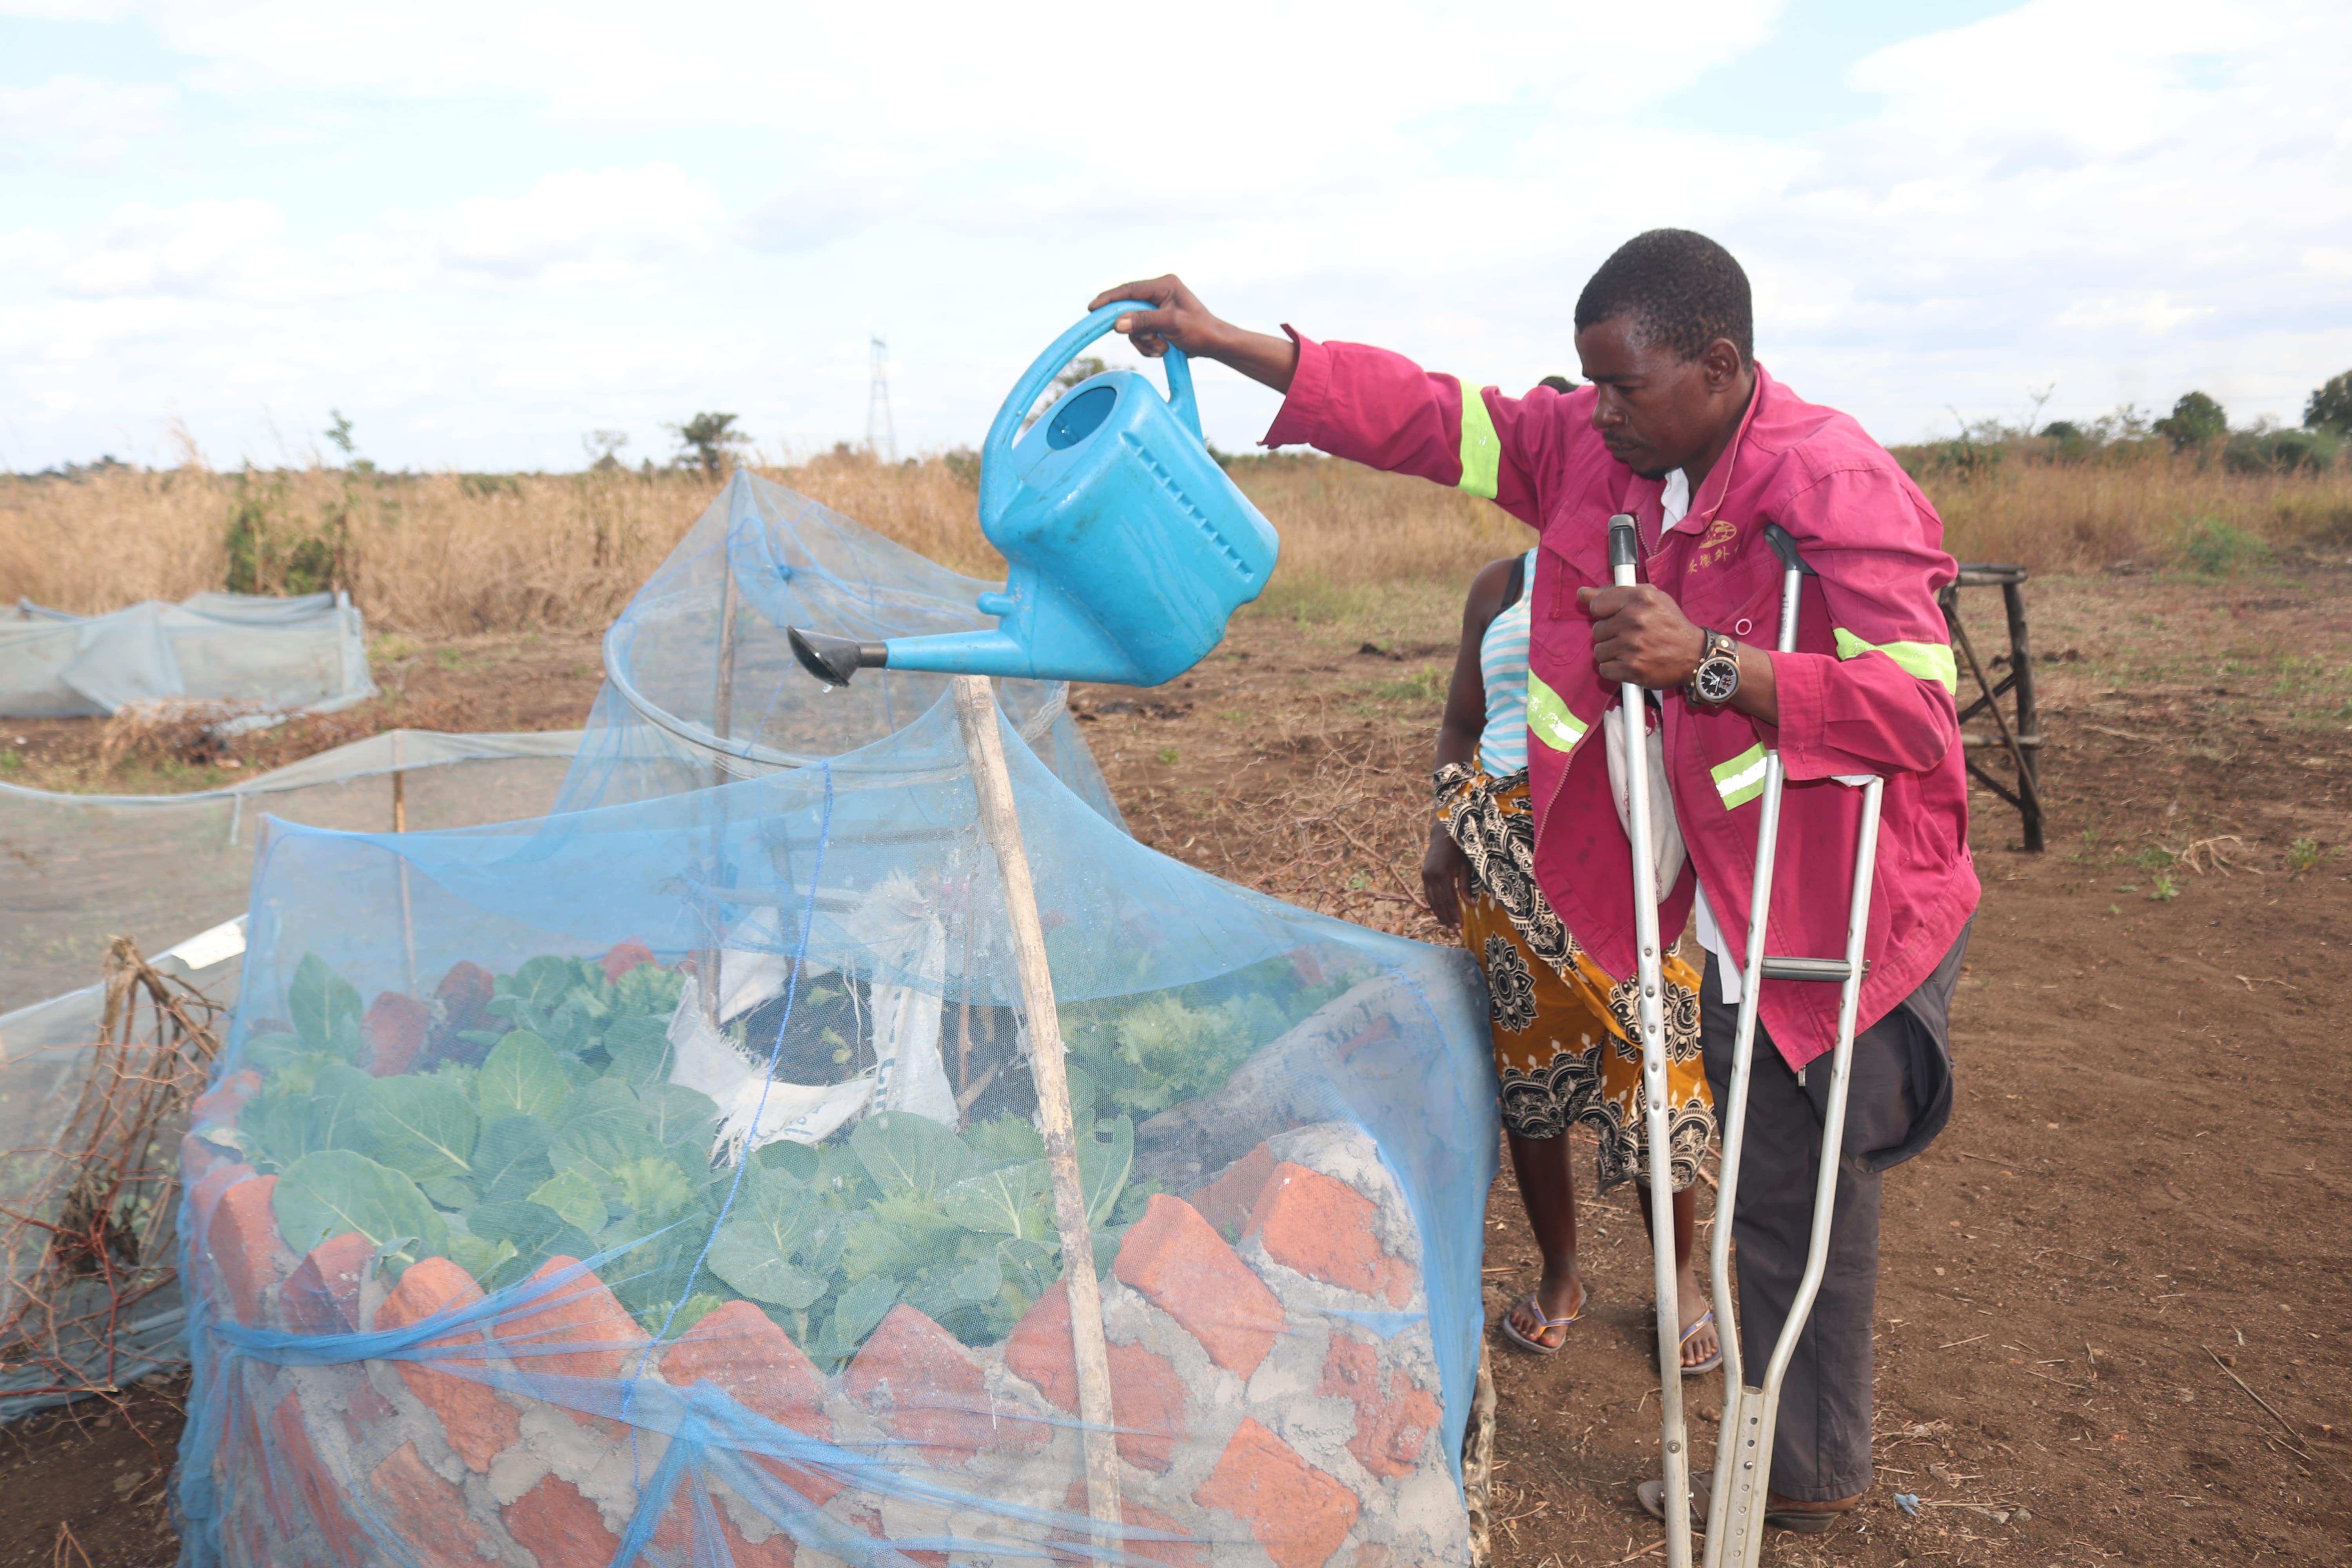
1128	547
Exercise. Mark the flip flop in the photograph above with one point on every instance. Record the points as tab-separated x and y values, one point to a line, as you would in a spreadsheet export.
1533	1345
1795	1520
1711	1363
1702	1368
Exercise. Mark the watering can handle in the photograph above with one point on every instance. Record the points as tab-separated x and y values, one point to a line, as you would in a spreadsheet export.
995	476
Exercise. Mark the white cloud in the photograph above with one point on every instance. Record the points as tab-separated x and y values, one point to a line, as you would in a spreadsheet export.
97	121
589	225
2045	196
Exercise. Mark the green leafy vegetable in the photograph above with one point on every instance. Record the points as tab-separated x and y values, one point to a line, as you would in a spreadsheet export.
420	1127
908	1154
337	1191
574	1199
521	1076
325	1008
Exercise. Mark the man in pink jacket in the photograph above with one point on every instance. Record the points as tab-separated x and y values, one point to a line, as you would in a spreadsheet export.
1682	428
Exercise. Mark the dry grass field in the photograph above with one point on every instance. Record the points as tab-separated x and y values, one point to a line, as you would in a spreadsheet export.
441	556
2112	1306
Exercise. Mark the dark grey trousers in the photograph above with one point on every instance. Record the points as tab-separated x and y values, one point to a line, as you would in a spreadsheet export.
1899	1100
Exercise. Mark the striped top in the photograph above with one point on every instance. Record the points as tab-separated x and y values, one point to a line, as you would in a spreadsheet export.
1503	664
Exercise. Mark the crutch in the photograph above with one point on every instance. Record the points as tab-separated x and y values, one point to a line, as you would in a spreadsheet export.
1744	1451
1633	709
1743	1457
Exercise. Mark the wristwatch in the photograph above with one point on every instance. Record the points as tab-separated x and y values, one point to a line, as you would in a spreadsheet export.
1716	678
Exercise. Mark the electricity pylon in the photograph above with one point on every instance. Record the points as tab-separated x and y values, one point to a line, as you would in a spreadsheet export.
881	433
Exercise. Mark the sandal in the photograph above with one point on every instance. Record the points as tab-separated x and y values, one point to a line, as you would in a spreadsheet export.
1533	1343
1711	1363
1701	1369
1795	1520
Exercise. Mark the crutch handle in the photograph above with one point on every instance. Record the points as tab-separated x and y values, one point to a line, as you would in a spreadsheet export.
1785	547
1624	548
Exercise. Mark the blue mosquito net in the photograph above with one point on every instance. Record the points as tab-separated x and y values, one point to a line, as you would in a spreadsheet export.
660	1181
700	687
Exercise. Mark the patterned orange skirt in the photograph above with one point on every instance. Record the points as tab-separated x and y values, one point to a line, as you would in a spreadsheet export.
1565	1034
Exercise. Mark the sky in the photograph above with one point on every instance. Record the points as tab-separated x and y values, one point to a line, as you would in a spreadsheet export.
482	229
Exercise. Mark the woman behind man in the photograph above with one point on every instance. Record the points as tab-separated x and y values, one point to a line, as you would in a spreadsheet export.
1563	1031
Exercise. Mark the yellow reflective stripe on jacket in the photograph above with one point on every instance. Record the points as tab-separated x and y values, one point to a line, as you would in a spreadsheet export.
1742	779
1482	451
1548	720
1926	660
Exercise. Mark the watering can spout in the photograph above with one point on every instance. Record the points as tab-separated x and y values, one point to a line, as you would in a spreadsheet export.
1126	546
834	660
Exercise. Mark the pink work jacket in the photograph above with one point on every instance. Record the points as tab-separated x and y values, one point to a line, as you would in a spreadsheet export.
1870	689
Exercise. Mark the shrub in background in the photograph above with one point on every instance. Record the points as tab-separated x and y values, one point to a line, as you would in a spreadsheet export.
2195	420
2214	549
2330	407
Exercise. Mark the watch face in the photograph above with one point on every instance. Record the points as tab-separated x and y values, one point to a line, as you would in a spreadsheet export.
1715	679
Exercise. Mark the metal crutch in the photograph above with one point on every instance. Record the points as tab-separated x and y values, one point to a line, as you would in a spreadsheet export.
1632	710
1743	1458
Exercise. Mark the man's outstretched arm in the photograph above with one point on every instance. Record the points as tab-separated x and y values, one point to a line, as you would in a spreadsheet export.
1180	318
1365	403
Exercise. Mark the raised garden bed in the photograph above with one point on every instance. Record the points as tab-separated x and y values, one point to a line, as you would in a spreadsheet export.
875	1346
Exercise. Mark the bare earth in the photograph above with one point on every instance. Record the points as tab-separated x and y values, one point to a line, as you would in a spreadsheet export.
2111	1307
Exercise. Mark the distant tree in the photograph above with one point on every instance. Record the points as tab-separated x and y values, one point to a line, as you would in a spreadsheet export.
603	443
1083	368
2330	407
339	432
2195	420
2063	430
707	441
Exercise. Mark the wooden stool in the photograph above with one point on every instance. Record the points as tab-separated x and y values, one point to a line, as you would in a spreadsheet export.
2019	734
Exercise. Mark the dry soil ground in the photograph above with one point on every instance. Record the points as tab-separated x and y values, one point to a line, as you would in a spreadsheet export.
2111	1307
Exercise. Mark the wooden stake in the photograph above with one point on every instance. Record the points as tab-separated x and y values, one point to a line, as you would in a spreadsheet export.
722	726
976	712
400	825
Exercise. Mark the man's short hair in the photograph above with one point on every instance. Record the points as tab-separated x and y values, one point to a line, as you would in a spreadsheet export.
1681	289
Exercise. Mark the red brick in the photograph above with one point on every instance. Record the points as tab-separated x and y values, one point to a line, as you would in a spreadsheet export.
675	1534
321	1492
1323	1228
561	1528
579	1310
1298	1513
465	995
739	1350
248	1258
395	1026
479	1423
625	957
204	1202
1147	1396
1184	1268
928	1390
1392	1424
463	1001
1136	1516
365	1411
426	1513
199	1159
322	1296
221	1105
1226	1201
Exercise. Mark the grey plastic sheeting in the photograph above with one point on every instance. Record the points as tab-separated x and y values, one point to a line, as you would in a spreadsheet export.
46	1056
273	655
75	870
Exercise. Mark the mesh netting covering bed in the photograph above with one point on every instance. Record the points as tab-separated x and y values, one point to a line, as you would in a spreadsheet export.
700	686
662	1182
268	656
